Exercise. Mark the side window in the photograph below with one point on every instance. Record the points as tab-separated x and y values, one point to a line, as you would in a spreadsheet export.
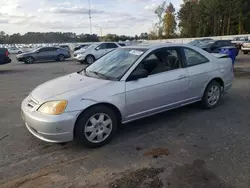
194	58
161	61
217	44
226	43
101	46
121	44
44	49
111	45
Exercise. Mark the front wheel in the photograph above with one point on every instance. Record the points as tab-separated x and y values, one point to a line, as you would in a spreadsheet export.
245	52
29	60
96	126
61	58
90	59
211	95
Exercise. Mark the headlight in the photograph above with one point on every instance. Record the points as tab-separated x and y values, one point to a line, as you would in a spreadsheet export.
53	107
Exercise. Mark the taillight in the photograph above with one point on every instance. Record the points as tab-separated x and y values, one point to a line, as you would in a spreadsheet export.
7	53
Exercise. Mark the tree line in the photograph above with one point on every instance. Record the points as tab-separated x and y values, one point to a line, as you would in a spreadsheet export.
202	18
195	18
59	37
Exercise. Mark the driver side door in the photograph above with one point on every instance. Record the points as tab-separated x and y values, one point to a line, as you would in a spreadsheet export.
42	54
163	89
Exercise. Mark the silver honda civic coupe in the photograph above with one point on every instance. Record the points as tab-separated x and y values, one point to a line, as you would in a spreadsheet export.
126	84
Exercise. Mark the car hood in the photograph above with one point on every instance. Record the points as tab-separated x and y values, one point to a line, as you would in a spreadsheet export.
80	51
62	85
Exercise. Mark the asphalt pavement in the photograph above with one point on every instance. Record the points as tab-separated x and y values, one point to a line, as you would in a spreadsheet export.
187	147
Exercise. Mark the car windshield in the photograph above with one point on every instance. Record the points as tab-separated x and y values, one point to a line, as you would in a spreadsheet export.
114	64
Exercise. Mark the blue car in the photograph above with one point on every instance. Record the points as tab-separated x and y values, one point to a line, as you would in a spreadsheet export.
44	54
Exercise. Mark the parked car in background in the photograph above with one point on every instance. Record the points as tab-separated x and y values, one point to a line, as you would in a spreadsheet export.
214	46
245	47
121	44
126	84
26	49
14	50
95	51
4	56
197	41
238	41
81	46
44	54
66	47
75	53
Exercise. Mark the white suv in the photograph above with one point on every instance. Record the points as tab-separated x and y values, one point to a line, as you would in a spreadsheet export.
95	51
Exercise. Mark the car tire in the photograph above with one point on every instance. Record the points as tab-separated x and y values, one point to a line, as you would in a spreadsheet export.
212	95
60	57
245	52
90	59
96	126
29	60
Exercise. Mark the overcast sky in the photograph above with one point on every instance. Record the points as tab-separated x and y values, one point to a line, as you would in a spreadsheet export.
128	17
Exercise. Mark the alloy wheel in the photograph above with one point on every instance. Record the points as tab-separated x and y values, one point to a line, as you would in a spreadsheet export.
213	95
98	128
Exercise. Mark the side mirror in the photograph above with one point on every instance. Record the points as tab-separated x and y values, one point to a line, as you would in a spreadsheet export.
97	48
137	74
37	51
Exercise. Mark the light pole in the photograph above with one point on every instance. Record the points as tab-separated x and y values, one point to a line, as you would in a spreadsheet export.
90	23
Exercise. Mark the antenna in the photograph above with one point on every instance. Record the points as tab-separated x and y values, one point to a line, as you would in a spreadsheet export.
90	23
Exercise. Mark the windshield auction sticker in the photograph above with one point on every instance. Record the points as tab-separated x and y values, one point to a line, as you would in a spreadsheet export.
136	52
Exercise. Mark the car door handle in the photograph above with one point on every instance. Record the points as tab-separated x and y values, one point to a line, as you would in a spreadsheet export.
182	77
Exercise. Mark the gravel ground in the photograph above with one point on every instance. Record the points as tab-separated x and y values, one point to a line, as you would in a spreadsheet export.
187	147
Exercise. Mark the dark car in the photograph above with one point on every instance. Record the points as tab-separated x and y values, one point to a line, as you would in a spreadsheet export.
44	54
122	44
4	56
80	46
214	46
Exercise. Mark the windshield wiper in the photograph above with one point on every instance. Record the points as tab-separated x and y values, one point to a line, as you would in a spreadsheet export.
102	75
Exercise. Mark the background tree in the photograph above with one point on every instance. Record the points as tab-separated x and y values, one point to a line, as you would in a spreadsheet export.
169	21
159	11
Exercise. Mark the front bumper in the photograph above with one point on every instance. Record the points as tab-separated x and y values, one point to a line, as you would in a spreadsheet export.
20	59
49	128
80	57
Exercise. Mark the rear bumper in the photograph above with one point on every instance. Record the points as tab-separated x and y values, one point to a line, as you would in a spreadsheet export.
5	61
245	49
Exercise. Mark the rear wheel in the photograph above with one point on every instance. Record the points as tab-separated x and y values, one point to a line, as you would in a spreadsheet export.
90	59
96	126
61	57
211	95
29	60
